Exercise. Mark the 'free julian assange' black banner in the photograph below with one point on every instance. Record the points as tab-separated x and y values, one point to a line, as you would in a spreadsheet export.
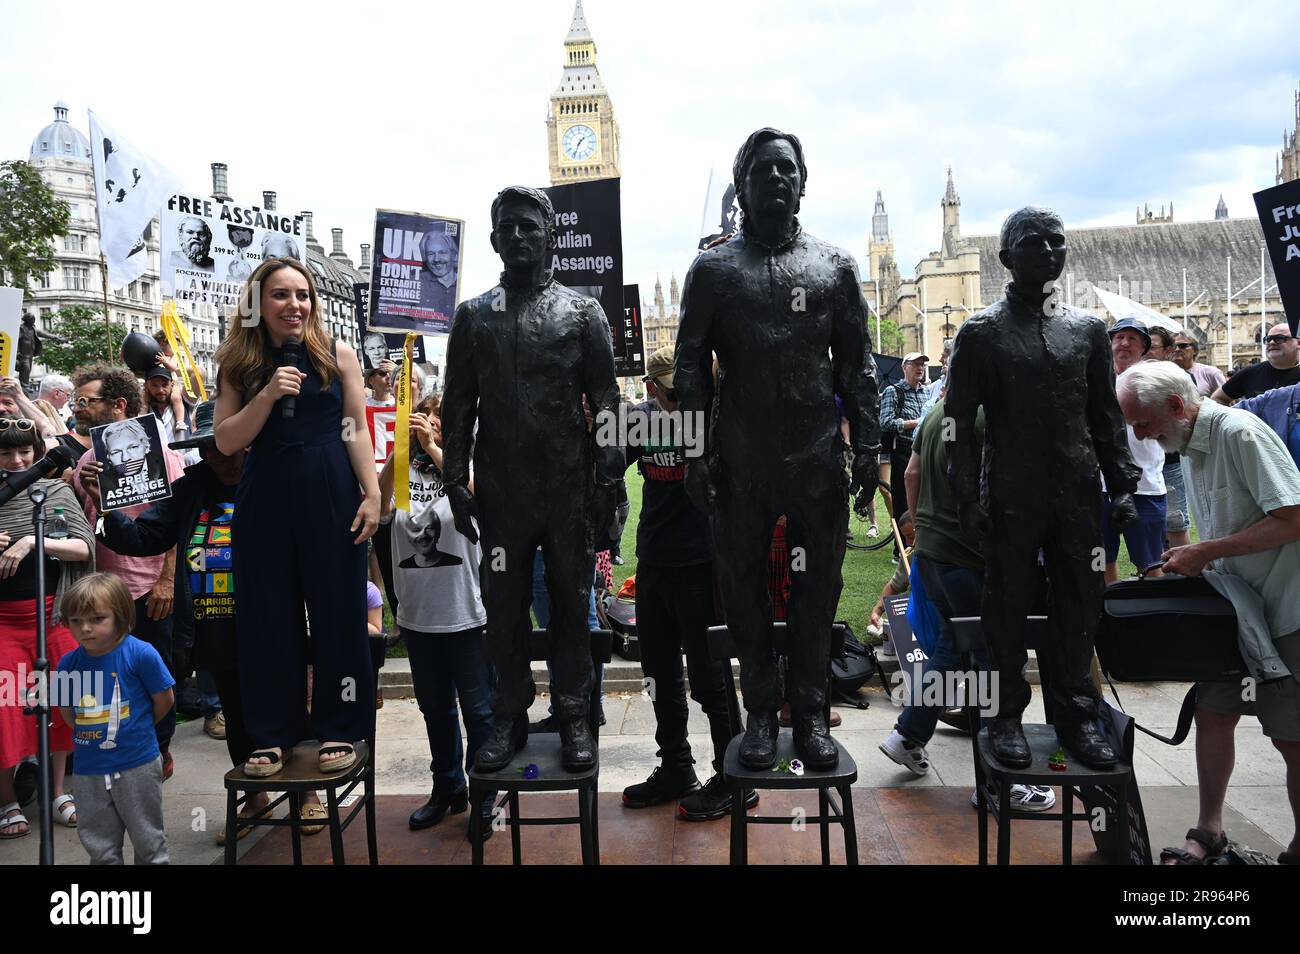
588	256
1279	215
629	350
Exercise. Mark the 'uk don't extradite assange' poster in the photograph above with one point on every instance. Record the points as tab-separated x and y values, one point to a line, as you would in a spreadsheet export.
415	278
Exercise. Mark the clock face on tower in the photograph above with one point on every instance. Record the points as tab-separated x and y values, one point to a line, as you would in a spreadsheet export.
579	142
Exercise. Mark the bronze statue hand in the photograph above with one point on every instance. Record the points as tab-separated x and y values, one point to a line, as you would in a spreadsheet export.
464	510
699	485
866	476
974	519
1123	511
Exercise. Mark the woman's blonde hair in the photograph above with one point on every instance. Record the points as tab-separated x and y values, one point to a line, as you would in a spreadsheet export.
98	593
245	356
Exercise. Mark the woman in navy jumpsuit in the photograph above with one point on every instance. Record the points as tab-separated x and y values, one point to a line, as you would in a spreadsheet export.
307	502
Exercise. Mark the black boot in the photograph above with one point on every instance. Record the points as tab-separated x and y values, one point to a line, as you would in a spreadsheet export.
508	737
577	747
812	740
1086	742
1010	747
437	808
758	747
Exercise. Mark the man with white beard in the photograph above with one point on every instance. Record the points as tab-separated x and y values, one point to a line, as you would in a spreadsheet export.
1244	491
194	242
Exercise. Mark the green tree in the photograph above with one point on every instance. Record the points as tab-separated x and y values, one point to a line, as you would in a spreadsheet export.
31	218
891	337
85	339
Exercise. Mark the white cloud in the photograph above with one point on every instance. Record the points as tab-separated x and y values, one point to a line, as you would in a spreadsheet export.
341	108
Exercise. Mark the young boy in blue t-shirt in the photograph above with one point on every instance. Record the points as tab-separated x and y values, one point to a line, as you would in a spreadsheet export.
122	688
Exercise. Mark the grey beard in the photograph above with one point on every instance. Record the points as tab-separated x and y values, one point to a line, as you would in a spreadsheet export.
82	429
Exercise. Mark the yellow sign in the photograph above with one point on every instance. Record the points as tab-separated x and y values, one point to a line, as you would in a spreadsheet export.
402	437
179	339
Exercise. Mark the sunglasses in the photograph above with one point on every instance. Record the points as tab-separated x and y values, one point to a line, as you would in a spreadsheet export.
84	402
16	423
1184	345
1277	339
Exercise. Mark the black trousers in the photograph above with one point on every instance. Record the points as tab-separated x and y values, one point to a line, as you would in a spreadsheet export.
674	610
898	459
383	543
816	523
1069	537
511	532
238	742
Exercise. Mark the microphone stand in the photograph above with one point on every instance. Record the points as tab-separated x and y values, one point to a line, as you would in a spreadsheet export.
41	710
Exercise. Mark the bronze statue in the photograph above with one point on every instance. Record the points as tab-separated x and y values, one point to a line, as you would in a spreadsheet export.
29	346
1042	371
520	359
784	314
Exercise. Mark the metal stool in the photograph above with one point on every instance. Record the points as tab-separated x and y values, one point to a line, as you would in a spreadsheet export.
543	750
841	778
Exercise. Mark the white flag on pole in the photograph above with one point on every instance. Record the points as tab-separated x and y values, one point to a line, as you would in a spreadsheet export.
130	190
1121	307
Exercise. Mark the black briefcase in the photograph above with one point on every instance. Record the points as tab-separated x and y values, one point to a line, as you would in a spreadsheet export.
1169	629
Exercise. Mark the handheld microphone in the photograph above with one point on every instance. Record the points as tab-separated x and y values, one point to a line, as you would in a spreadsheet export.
290	353
52	464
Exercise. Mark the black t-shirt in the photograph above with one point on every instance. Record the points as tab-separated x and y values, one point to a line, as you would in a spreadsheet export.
671	532
1259	378
22	585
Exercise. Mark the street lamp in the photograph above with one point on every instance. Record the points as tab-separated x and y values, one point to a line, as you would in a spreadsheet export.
947	323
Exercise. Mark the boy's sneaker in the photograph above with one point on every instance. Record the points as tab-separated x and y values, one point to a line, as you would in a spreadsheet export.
712	801
663	785
1026	798
911	756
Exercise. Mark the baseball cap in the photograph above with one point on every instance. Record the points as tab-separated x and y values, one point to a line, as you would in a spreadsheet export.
660	366
915	356
1132	324
158	371
376	370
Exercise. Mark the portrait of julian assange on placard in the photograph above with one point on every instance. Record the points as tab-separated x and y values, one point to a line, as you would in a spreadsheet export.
415	279
131	453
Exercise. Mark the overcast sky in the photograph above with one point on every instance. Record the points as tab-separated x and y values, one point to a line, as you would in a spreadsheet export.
432	106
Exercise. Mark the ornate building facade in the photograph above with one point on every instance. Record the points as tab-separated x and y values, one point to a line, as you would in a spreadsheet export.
581	128
1205	274
659	324
1288	160
61	153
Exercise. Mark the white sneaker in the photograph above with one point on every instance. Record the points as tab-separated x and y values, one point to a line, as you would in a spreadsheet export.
873	531
873	629
912	757
1026	798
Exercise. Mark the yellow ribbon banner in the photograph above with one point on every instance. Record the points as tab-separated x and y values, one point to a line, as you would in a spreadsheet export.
179	339
402	453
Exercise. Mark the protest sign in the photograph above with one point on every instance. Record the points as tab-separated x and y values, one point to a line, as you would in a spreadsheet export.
588	256
1279	215
378	345
382	422
208	249
415	279
11	316
721	210
131	453
629	350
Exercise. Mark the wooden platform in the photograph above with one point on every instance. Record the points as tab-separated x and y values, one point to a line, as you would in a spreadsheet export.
895	826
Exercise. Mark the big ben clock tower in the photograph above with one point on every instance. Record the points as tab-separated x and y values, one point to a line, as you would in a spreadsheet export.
581	130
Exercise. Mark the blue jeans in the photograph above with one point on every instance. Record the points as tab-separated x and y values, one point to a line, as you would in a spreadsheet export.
445	666
954	591
209	698
542	610
1145	538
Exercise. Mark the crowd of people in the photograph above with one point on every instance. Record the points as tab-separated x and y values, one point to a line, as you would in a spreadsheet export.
266	491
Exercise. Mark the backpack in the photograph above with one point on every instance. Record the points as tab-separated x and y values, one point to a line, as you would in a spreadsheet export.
851	668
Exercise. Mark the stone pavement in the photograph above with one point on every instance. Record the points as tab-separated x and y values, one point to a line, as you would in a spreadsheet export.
901	819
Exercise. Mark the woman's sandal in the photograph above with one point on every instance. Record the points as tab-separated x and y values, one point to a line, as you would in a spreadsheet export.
314	811
65	811
1214	846
336	765
242	830
11	815
278	761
